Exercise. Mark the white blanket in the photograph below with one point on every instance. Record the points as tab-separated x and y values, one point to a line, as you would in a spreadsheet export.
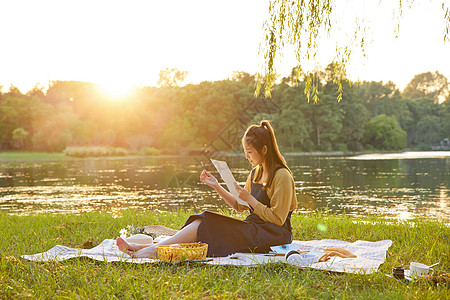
370	255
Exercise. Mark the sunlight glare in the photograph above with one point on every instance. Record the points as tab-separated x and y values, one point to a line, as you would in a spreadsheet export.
116	91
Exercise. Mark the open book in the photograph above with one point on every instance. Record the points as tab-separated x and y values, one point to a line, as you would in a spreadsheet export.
226	175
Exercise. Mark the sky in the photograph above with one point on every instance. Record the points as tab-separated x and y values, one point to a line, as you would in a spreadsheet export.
120	44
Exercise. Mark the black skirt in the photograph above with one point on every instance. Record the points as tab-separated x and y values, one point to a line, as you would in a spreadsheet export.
225	235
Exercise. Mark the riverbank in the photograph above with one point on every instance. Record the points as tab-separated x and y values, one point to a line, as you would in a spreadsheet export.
52	156
55	156
20	156
425	241
49	156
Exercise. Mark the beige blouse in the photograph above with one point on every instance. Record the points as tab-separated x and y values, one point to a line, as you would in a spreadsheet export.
282	198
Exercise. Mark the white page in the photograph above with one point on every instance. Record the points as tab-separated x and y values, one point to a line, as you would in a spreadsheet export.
226	175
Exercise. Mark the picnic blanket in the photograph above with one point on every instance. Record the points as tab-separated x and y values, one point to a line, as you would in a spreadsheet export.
370	255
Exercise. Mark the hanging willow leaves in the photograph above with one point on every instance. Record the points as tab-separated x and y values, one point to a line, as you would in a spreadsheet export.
447	22
303	23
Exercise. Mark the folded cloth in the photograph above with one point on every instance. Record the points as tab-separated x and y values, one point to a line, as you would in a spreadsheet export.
370	255
106	251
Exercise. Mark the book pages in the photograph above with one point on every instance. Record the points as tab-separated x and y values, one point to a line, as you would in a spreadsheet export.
228	178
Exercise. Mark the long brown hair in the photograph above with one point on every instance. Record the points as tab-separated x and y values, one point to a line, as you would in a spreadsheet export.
259	136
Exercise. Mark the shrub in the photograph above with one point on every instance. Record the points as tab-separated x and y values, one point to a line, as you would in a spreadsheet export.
423	147
151	151
94	151
384	132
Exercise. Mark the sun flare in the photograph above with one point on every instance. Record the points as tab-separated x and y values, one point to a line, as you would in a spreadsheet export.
116	91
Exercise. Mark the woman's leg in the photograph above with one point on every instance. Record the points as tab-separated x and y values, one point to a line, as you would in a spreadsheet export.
124	245
187	234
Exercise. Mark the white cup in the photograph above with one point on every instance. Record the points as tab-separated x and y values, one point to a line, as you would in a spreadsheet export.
418	269
301	259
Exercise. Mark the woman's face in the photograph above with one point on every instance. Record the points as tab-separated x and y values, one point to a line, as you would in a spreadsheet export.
252	155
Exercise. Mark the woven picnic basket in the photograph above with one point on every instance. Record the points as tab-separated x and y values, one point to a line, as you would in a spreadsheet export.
194	251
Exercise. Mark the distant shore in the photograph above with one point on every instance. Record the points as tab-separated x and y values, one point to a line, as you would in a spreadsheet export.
48	156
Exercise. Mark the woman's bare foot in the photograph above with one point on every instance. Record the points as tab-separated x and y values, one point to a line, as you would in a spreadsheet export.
136	251
122	244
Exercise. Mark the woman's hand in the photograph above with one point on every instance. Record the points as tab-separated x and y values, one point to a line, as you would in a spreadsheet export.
244	195
335	251
208	178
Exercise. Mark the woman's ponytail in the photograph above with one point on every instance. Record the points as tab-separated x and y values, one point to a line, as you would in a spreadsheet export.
266	124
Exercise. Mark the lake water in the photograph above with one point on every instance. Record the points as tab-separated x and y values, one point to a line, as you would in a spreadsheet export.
401	187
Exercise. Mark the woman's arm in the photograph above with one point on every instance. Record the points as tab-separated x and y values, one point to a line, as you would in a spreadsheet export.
282	199
210	180
245	195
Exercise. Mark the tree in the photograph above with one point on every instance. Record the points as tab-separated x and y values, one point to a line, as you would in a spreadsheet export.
178	134
355	117
83	96
194	115
55	132
377	96
19	135
303	23
428	85
384	132
429	130
326	118
17	112
171	77
445	118
8	121
36	91
14	91
243	77
293	128
293	125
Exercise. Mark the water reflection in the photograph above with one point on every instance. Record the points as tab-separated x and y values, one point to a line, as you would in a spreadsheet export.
394	188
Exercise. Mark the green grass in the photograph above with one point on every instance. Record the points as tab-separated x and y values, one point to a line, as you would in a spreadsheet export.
92	151
12	156
423	241
18	155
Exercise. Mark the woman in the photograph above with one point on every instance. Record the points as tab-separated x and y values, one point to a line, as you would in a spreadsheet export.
269	192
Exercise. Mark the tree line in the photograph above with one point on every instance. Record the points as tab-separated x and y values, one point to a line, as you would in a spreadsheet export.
370	115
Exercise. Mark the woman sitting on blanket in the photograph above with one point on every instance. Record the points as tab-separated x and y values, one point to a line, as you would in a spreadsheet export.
269	192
